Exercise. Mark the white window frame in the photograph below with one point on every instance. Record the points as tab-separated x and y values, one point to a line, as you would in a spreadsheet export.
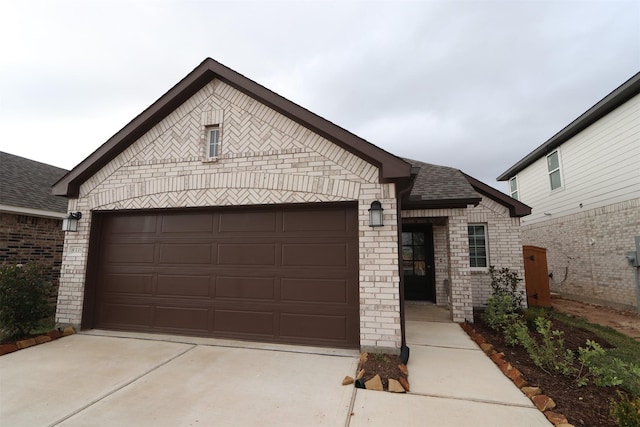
514	193
486	247
213	130
558	169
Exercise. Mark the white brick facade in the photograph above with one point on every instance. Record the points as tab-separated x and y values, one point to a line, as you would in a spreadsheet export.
469	287
586	252
265	158
504	242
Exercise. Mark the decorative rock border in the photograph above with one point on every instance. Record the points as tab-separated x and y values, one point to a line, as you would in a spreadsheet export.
40	339
396	385
544	403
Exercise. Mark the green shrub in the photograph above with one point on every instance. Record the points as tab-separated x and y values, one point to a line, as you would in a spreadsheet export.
549	354
505	282
24	295
606	370
515	332
626	411
532	313
500	311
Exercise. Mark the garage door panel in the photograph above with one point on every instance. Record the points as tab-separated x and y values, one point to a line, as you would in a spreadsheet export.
185	253
321	327
277	274
188	222
193	319
124	224
245	254
128	284
316	222
131	253
122	315
247	222
252	288
315	254
244	322
183	285
315	290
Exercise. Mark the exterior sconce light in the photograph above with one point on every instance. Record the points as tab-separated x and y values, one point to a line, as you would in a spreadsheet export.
70	223
375	214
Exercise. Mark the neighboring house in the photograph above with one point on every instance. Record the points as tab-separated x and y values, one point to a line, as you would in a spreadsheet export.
584	187
226	210
30	216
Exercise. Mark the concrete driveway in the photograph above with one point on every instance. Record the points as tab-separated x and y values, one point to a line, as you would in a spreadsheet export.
88	380
102	378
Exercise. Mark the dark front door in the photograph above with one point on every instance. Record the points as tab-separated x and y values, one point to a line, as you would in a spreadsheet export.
417	263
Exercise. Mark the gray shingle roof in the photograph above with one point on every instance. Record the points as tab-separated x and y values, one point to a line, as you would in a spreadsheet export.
26	183
441	186
444	187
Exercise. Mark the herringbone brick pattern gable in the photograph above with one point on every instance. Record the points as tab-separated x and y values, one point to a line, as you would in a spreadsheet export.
250	130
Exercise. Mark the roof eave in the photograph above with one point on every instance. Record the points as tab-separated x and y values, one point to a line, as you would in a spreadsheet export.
619	96
410	204
516	208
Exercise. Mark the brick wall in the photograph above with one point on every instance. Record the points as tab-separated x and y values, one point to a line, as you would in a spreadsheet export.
265	158
505	246
586	253
469	287
25	239
455	256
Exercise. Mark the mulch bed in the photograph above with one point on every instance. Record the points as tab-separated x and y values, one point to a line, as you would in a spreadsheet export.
385	365
583	406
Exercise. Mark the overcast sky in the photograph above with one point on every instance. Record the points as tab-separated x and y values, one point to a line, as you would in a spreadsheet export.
475	85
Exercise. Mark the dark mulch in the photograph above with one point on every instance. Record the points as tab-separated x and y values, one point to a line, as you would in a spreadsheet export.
385	365
583	406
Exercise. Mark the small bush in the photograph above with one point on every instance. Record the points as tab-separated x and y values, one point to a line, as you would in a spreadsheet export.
515	332
626	411
24	295
505	282
532	313
550	354
607	371
500	312
505	304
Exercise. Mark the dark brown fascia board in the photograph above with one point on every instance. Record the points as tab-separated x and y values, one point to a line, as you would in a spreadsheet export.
619	96
516	207
411	204
391	168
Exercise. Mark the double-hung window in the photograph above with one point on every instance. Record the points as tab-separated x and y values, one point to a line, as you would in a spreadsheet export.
213	142
513	188
553	166
478	250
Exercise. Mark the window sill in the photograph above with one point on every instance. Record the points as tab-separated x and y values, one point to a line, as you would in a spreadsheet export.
211	160
479	270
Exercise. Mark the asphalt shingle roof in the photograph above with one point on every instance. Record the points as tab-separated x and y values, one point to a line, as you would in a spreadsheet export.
26	183
440	183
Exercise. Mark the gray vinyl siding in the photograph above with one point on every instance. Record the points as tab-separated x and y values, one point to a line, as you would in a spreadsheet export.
600	166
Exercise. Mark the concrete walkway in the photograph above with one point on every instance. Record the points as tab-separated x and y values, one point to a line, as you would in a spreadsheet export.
103	378
453	383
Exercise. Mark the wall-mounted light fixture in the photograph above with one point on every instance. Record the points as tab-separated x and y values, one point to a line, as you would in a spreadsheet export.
70	223
375	214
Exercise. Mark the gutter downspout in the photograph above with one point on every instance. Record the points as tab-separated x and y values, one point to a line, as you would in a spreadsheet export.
401	271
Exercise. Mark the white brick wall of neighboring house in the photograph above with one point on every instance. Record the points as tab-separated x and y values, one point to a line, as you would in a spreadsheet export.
265	158
586	253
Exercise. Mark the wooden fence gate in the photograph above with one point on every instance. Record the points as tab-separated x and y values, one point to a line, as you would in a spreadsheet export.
536	276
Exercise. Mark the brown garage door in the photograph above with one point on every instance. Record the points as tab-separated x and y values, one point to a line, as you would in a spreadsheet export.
286	275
